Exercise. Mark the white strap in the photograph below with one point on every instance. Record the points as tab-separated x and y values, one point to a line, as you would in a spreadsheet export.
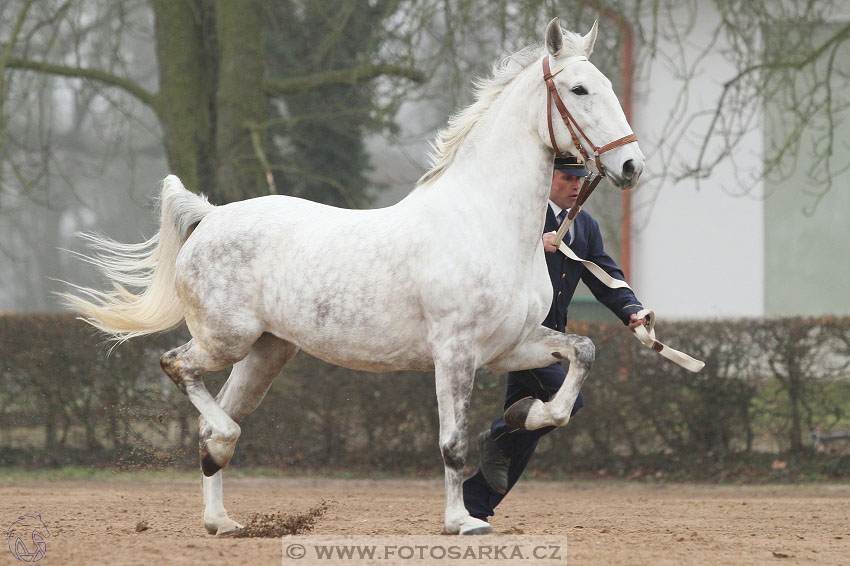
647	337
565	225
566	63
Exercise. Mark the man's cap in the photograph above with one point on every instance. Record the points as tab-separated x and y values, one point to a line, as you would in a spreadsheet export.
571	165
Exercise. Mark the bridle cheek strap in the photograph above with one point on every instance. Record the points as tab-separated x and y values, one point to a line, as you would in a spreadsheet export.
571	123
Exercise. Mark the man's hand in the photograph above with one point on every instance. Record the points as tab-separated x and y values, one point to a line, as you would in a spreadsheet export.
634	321
547	242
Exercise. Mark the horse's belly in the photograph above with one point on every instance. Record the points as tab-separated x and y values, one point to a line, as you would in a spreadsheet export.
360	321
365	348
358	359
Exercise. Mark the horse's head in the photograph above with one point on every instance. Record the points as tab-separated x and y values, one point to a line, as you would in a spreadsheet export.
597	119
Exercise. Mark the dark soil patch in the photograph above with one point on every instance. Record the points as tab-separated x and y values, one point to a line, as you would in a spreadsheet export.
275	525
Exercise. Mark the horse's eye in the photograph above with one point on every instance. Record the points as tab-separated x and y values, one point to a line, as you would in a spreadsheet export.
579	90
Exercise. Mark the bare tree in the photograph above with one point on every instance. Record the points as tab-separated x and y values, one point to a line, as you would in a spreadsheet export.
88	84
211	88
786	66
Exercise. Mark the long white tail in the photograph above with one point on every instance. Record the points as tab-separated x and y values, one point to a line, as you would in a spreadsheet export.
148	267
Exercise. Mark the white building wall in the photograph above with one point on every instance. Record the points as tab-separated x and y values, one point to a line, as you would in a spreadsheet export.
697	250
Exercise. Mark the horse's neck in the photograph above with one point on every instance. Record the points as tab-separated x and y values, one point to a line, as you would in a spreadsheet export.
504	170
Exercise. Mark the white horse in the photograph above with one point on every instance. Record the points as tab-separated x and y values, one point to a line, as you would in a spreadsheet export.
450	279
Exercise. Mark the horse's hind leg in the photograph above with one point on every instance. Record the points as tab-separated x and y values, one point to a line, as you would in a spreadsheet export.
185	366
242	393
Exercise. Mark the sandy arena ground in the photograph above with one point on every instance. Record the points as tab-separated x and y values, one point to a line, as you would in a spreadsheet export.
606	522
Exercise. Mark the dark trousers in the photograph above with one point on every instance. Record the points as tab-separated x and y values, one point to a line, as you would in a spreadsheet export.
519	445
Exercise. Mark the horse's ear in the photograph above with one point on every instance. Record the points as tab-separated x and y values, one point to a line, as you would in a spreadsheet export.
590	39
554	37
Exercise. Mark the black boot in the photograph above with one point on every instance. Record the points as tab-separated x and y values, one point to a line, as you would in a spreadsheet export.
494	463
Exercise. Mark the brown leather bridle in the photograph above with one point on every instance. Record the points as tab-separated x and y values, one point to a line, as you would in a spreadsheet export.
572	125
590	182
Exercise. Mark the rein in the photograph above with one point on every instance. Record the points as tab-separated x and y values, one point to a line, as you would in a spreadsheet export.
646	336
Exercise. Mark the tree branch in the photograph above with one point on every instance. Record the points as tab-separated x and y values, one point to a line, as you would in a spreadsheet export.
701	170
128	86
281	87
7	51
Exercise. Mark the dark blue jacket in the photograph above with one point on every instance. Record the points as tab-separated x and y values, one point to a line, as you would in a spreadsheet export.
565	273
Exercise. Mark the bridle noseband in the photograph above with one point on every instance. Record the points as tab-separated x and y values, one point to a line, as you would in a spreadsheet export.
570	122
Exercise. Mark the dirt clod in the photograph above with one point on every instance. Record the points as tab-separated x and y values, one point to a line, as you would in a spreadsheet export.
275	525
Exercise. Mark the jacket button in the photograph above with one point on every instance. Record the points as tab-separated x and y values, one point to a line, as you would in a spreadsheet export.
563	275
559	293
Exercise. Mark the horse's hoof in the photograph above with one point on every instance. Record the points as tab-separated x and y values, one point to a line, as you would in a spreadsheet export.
216	454
517	414
473	526
224	532
221	525
488	530
208	464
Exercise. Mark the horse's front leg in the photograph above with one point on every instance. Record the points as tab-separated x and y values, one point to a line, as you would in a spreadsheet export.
454	366
543	347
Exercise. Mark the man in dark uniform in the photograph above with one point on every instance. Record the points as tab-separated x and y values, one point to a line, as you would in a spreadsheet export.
506	451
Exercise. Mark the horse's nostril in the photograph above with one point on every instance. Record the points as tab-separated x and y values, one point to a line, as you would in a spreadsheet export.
628	169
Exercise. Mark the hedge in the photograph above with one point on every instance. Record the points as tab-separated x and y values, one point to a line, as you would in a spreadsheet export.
767	385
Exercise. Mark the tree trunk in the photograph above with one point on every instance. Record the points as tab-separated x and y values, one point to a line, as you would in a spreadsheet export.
89	414
795	350
748	425
795	393
186	54
50	418
240	99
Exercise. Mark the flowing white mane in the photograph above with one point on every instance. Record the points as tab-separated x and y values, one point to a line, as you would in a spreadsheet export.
449	140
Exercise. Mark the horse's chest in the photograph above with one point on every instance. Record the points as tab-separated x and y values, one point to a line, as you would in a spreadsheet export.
522	305
539	298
